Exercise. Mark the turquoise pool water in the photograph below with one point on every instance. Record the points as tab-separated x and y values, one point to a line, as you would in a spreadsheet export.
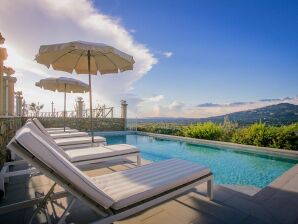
228	166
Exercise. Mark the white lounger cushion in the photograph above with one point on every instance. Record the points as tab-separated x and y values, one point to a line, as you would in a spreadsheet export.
99	152
48	130
70	141
44	152
134	185
88	153
49	140
68	135
79	140
40	126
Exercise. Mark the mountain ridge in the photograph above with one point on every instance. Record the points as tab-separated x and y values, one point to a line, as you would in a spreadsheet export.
277	114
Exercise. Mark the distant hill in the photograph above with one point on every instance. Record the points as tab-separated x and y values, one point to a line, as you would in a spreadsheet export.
284	113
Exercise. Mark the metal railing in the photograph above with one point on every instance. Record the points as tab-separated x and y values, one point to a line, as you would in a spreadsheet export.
106	112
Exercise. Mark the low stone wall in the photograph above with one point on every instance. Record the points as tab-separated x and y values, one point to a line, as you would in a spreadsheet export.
83	124
8	127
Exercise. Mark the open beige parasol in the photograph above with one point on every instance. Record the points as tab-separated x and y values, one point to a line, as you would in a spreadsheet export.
85	58
63	84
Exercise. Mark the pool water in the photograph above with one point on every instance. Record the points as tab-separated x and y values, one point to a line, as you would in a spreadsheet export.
228	166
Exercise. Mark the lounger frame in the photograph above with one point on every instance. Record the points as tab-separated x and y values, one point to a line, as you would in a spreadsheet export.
109	215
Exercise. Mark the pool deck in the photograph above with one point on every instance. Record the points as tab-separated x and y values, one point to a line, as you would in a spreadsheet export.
276	203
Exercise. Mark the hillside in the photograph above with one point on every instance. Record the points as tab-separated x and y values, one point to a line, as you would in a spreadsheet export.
278	114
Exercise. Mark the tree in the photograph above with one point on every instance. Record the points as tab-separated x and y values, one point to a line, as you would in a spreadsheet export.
35	108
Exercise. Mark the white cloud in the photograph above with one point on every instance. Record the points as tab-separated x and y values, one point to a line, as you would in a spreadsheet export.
28	24
168	54
138	106
155	98
158	109
176	106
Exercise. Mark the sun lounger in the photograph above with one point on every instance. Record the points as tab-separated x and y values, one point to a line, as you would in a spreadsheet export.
58	134
78	156
114	196
71	142
89	155
54	130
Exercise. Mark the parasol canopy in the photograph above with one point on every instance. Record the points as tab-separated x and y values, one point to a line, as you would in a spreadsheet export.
85	58
63	84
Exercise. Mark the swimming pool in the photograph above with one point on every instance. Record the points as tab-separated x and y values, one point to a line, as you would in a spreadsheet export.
229	166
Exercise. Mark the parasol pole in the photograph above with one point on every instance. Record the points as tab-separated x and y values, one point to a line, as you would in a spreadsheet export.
64	105
90	97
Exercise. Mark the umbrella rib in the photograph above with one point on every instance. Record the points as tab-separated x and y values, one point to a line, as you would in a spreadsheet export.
62	56
111	61
78	59
108	59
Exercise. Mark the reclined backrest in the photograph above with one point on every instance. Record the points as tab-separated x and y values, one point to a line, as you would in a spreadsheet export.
48	139
56	165
40	126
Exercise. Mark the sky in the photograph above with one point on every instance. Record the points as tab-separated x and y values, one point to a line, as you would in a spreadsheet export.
193	58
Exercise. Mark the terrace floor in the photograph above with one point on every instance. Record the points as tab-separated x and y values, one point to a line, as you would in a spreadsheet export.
277	203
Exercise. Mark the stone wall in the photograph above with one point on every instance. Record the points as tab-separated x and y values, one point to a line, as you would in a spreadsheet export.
8	127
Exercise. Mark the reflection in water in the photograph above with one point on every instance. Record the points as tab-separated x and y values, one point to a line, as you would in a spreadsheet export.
228	166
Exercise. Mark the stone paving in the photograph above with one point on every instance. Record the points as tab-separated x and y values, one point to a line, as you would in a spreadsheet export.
276	203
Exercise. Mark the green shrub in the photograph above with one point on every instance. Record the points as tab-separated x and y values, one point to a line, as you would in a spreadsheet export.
286	137
283	137
228	130
258	134
208	130
161	128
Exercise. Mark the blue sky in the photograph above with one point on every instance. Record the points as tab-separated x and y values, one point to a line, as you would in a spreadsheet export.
223	51
187	53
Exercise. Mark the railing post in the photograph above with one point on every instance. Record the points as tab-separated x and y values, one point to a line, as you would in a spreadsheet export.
79	107
124	112
104	111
